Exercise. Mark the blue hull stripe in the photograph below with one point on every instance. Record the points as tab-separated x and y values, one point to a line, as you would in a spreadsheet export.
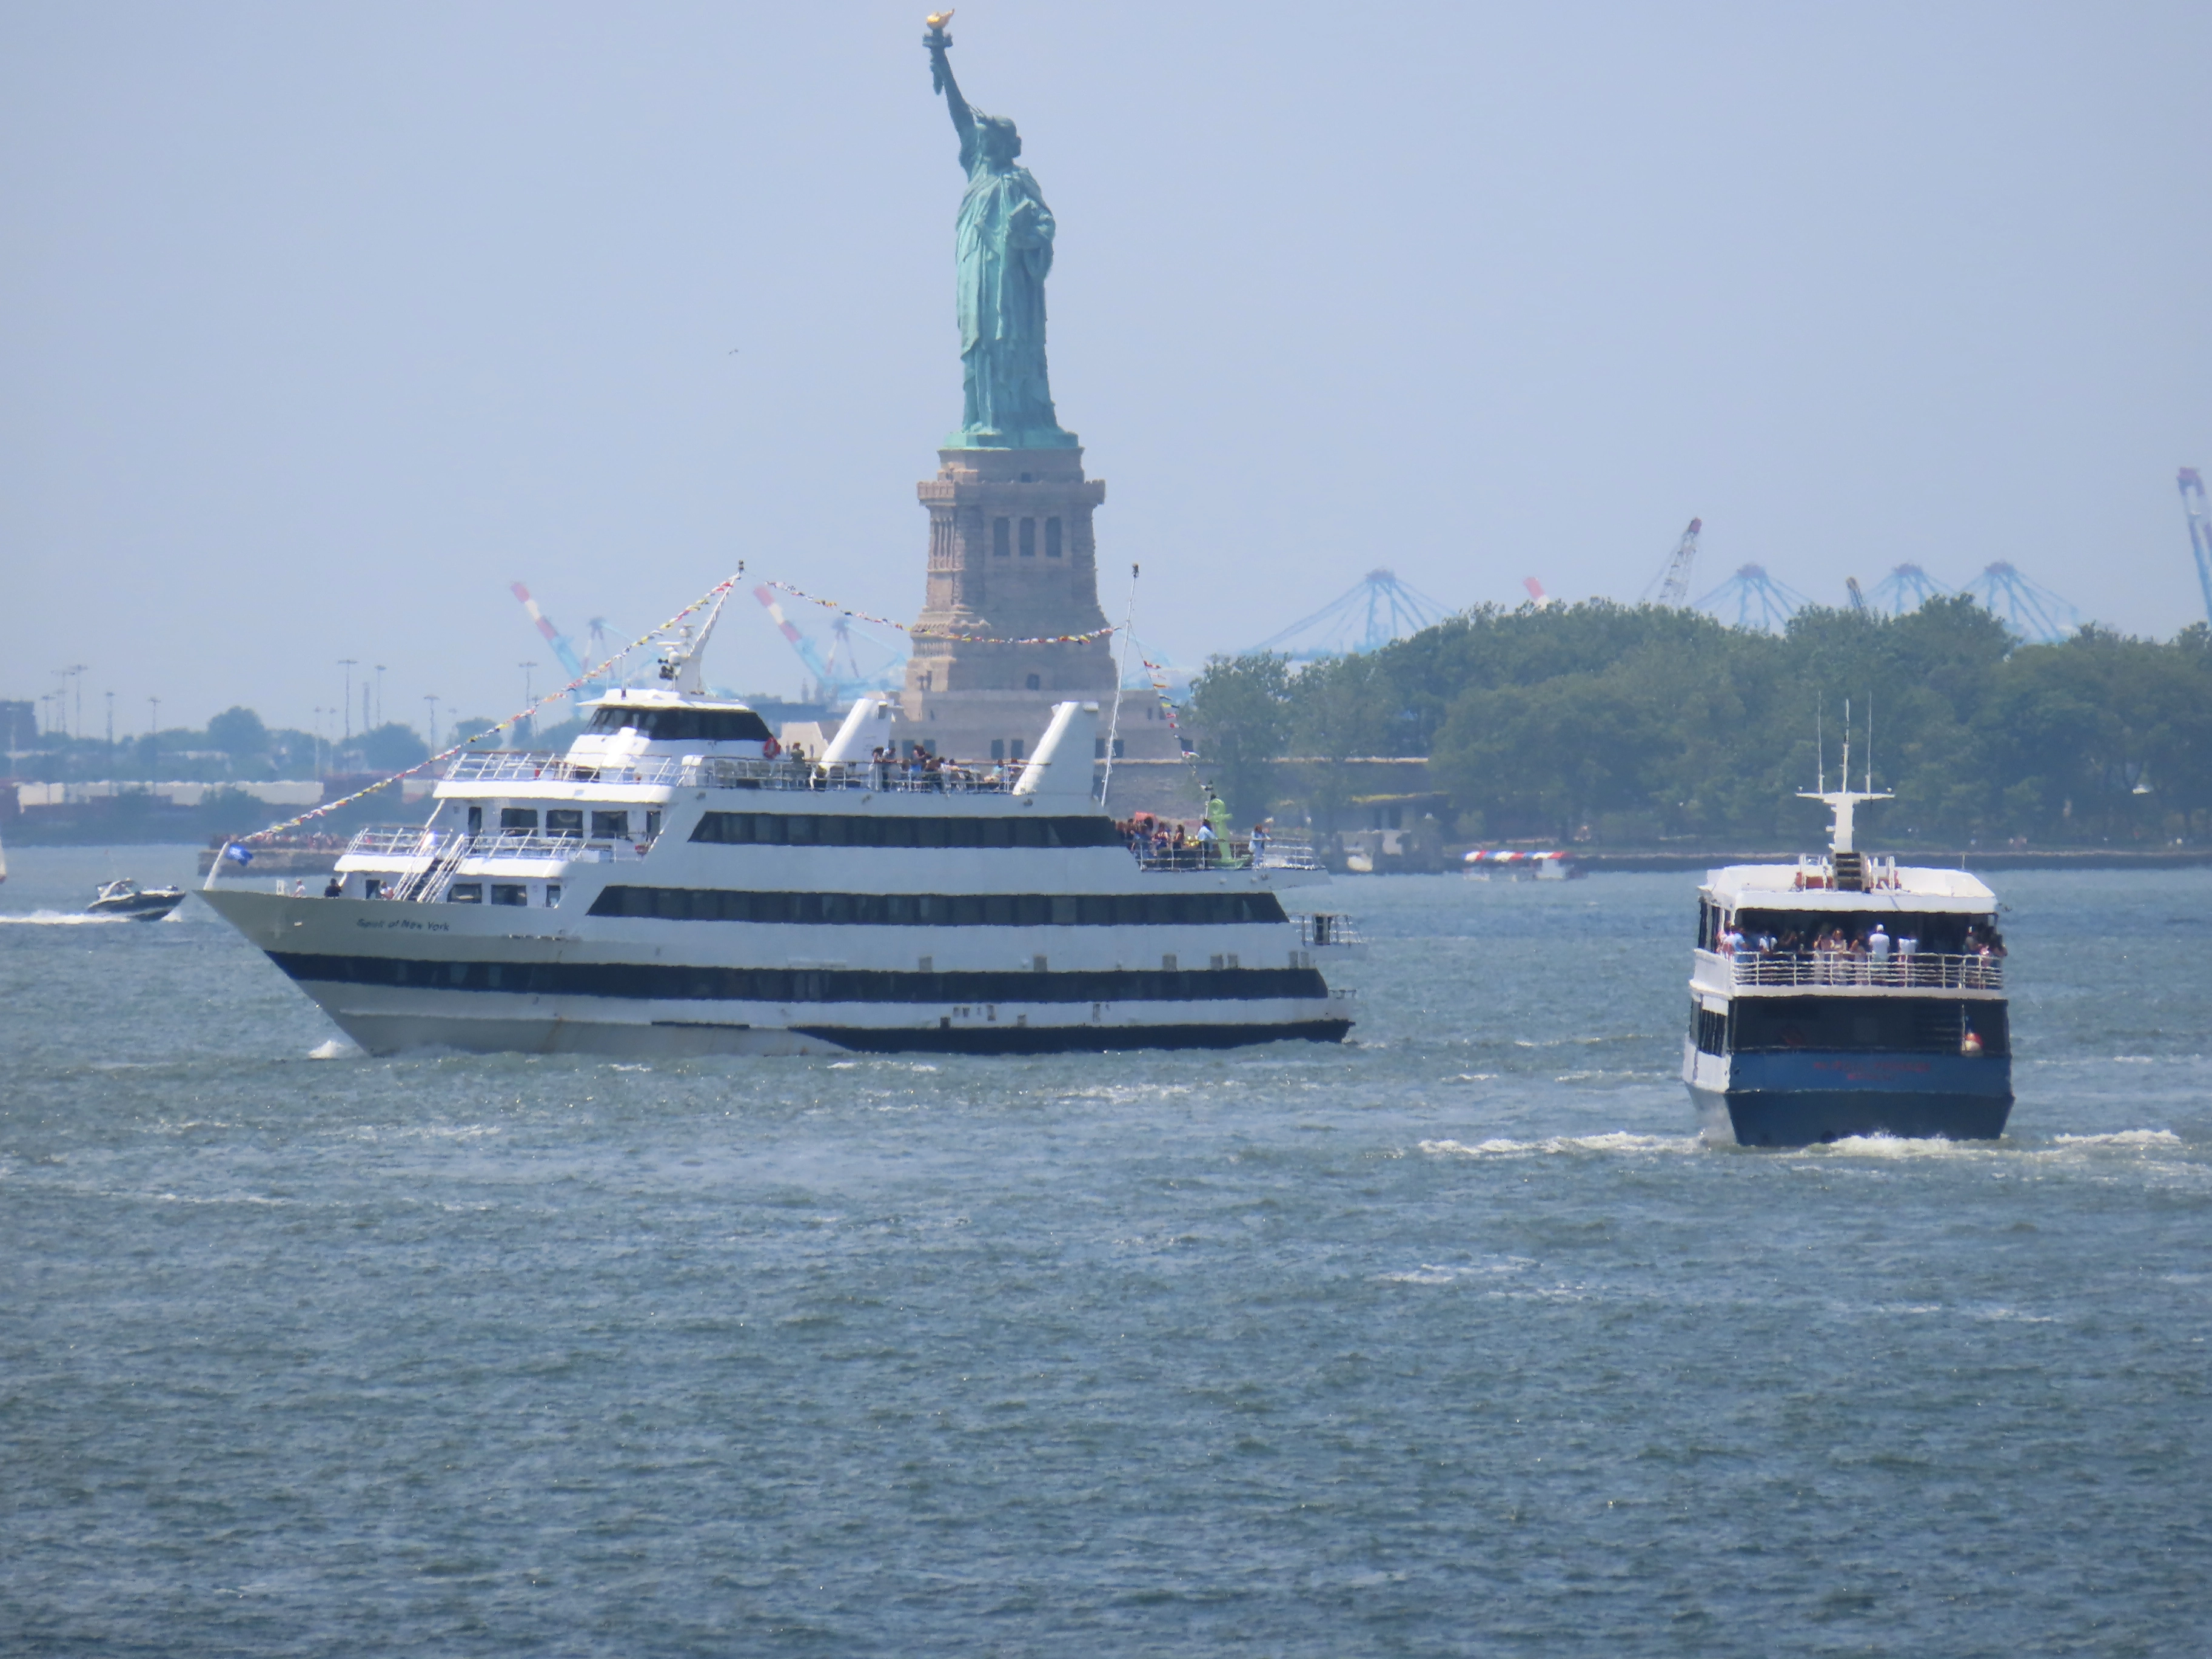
1984	1077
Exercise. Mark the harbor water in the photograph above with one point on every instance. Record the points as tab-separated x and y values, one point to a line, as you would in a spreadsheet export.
1451	1339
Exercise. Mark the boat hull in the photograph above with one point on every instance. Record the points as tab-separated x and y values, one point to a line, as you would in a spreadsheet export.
1808	1099
399	977
139	907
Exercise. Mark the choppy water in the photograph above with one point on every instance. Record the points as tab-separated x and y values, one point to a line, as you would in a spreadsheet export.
1450	1340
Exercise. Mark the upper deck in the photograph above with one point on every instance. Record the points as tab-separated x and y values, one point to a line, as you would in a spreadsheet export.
1815	884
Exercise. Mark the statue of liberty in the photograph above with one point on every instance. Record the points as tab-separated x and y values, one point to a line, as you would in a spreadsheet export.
1005	253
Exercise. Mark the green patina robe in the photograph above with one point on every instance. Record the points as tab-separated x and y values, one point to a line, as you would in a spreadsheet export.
1005	243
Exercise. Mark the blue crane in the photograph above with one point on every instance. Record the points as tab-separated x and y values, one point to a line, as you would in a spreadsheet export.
1378	609
2200	533
2036	614
1752	598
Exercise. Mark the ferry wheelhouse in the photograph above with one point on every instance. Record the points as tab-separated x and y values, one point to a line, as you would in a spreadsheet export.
673	884
1847	995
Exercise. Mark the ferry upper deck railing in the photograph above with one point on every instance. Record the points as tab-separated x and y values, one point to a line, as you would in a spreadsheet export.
733	772
1917	970
1321	931
401	842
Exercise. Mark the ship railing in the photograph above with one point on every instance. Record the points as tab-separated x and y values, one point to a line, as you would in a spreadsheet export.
1919	970
1287	849
1322	932
737	772
1194	856
403	843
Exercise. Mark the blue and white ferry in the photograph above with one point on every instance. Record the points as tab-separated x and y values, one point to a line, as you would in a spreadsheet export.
1847	995
673	884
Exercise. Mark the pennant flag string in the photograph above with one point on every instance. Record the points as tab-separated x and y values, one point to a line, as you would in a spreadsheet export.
935	633
475	737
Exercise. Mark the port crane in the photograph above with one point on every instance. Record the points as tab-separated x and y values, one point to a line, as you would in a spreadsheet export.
834	685
2200	531
563	647
1671	586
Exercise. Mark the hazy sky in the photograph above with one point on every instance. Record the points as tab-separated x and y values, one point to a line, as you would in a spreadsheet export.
321	324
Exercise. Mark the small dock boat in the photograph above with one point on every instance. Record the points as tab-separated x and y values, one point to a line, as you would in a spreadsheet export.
127	899
1847	995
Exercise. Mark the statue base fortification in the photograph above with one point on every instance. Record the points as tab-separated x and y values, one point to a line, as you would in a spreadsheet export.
1013	556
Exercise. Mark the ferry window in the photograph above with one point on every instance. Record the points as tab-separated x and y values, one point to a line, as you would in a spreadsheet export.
937	910
616	824
1712	1029
1028	539
562	820
1052	539
518	817
465	892
475	820
701	726
609	720
653	823
1002	538
509	892
552	894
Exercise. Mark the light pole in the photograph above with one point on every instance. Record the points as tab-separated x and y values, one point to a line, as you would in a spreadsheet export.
77	672
431	697
379	694
346	707
60	722
153	738
111	731
530	717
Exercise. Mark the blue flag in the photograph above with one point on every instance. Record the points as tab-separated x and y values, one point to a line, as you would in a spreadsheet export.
237	853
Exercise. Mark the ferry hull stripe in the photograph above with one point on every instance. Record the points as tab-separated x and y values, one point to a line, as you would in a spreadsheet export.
1070	1039
669	982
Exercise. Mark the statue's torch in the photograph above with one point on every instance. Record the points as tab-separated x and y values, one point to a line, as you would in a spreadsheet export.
936	41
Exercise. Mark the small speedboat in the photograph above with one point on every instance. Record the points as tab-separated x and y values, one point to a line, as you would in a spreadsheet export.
127	899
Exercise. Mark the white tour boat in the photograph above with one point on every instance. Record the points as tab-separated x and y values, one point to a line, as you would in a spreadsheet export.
673	884
1847	995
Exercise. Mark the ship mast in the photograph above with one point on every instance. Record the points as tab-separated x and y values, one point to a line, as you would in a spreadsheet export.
1841	802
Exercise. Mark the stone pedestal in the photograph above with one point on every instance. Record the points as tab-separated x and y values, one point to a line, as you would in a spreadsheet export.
1013	555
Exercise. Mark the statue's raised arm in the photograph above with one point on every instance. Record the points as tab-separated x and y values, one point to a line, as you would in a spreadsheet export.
940	78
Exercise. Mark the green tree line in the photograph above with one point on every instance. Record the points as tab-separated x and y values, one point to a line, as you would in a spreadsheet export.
1629	724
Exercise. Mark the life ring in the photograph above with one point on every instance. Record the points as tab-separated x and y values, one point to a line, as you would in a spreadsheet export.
770	749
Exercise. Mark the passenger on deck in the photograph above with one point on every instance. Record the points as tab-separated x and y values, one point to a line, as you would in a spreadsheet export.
335	888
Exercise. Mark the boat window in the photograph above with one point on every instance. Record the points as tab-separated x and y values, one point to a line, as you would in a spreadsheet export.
552	894
1708	1028
863	830
940	910
518	817
465	892
564	820
686	725
616	824
509	892
1910	1025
